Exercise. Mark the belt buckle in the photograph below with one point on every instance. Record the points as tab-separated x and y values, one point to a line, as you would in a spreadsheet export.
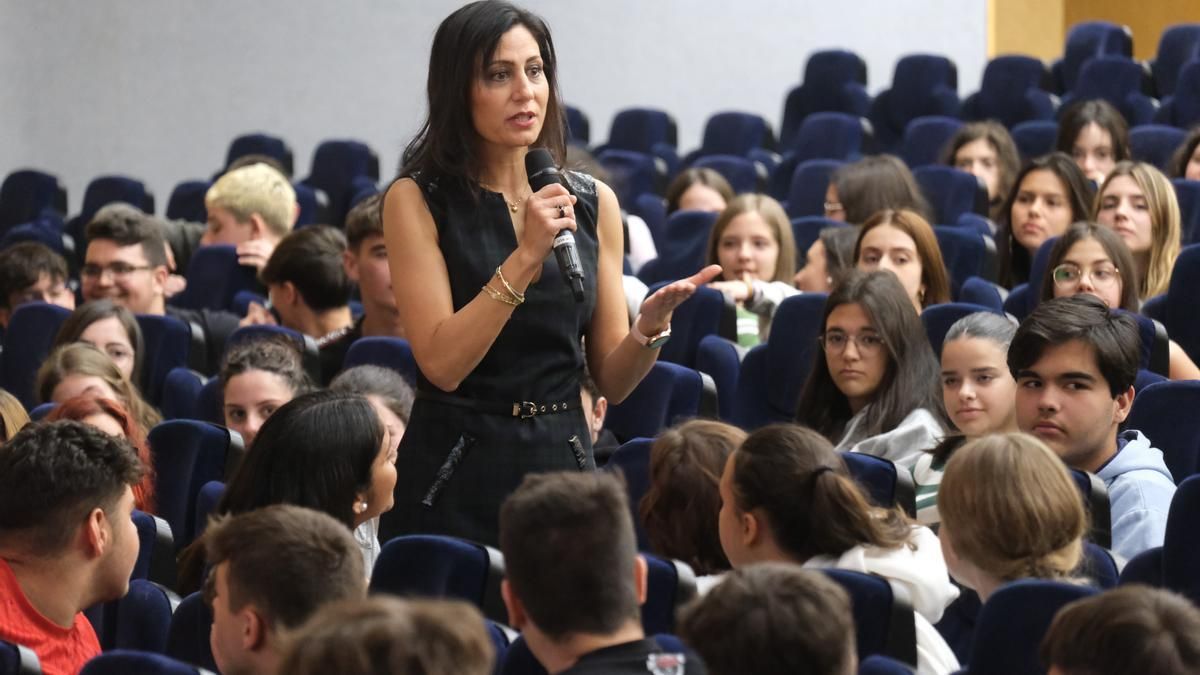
525	409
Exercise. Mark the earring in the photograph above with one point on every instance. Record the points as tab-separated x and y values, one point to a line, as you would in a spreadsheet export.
361	507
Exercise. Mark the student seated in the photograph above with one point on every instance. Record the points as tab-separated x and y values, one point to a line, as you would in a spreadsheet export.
986	151
752	242
773	619
1093	259
251	207
1010	510
827	260
366	263
126	261
1075	363
80	368
786	496
903	243
12	415
67	539
1048	195
309	289
861	189
1095	135
273	568
1130	629
257	377
31	272
698	190
574	581
873	386
1139	203
110	328
684	499
978	392
113	419
1185	163
383	634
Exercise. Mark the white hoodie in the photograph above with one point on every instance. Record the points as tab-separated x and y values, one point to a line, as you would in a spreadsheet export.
921	571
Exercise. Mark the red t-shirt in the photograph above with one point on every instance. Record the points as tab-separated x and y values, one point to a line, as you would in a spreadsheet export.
62	651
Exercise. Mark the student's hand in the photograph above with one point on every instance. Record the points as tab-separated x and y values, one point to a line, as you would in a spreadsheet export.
255	253
257	315
657	309
175	285
738	291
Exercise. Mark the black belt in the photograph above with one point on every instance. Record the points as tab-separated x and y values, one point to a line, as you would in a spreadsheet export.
521	409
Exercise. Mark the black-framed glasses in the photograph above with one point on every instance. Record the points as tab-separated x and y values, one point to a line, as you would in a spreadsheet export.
1069	275
834	342
118	270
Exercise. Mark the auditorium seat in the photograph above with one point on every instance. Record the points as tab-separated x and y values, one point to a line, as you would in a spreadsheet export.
40	411
980	291
1094	493
1182	109
156	549
721	359
1144	568
922	84
168	344
645	130
925	138
653	209
143	617
884	620
187	454
668	394
670	584
188	635
579	128
733	133
1177	46
1024	297
938	319
16	659
387	352
1099	566
705	313
361	189
835	80
260	144
1182	319
47	230
335	165
806	189
1118	80
1012	92
1181	550
965	254
1187	193
181	390
101	192
26	194
806	231
1035	138
214	276
1166	414
1013	622
1155	143
882	665
632	174
187	201
1086	40
683	250
31	331
744	175
206	504
886	485
129	662
951	192
311	203
830	135
632	459
442	567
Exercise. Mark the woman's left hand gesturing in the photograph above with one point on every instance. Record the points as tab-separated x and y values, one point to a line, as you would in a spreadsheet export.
656	311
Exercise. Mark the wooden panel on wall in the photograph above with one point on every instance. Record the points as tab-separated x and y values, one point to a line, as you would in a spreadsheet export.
1032	27
1146	18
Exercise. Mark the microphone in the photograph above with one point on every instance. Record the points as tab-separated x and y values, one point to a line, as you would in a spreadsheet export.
539	166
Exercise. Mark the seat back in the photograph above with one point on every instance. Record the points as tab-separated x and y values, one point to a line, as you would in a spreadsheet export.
938	319
1099	566
705	313
442	567
640	129
1035	137
180	392
143	617
101	192
884	621
214	276
1003	77
981	292
1144	568
124	662
1183	107
834	81
579	128
387	352
1165	413
1155	143
1182	319
883	665
686	236
632	459
187	454
773	374
806	194
206	504
925	138
807	230
735	133
721	359
168	343
669	393
632	174
27	341
670	584
188	635
1094	493
743	174
187	201
922	84
26	194
1118	80
965	253
335	165
830	135
16	659
261	144
1178	45
1090	39
1187	193
1013	622
879	478
951	192
156	550
1181	550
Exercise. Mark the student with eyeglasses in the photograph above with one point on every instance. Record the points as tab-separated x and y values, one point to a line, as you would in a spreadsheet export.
874	385
1093	259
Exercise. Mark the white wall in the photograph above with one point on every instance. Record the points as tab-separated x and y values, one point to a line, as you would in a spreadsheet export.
156	90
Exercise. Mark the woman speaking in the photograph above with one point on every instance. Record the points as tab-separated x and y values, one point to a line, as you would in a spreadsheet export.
500	339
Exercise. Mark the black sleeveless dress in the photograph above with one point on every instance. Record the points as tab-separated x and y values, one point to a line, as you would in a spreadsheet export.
456	465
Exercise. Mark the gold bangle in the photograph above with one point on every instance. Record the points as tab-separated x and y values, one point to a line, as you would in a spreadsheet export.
508	287
497	295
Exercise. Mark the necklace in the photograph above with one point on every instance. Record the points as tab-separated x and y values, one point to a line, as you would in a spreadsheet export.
512	206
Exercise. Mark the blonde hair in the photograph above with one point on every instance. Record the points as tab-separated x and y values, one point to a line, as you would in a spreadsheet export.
81	358
1165	220
255	189
776	219
12	415
1010	507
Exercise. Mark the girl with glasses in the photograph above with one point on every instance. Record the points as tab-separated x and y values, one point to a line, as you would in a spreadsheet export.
874	384
1091	258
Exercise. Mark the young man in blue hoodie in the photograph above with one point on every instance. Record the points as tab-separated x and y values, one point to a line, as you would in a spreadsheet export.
1075	363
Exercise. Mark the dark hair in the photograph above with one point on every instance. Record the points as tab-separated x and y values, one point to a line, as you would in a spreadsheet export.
1113	337
1128	629
933	266
364	220
83	406
272	354
1177	167
125	225
285	560
703	176
447	143
52	475
311	259
23	263
875	183
393	390
1100	112
397	636
569	552
912	379
88	313
1013	260
1008	160
839	251
1113	246
679	511
772	619
316	451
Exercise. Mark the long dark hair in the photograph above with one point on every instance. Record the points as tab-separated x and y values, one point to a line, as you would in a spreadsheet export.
912	379
813	506
447	144
1113	245
89	313
1013	260
1102	114
877	182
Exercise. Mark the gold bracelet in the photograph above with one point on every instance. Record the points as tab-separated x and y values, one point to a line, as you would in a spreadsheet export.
497	295
519	296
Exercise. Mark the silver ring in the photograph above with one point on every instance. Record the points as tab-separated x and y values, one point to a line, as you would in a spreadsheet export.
562	211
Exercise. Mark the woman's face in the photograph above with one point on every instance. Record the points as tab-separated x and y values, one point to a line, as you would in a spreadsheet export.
1093	152
250	398
379	496
748	248
814	276
855	354
106	423
109	336
979	158
1124	208
977	387
700	197
1087	268
508	101
887	247
1192	170
78	384
1041	210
